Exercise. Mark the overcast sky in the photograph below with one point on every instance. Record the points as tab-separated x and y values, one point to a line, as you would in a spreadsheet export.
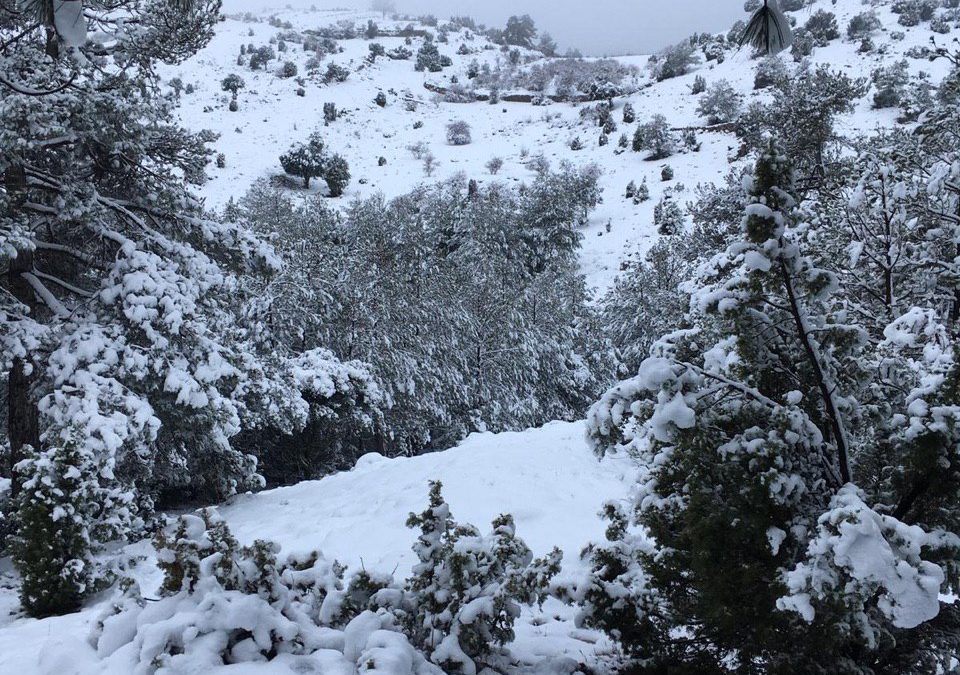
596	27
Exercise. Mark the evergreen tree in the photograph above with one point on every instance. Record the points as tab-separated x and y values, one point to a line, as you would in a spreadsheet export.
305	160
763	444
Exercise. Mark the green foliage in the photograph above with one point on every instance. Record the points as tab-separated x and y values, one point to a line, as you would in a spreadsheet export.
467	589
655	136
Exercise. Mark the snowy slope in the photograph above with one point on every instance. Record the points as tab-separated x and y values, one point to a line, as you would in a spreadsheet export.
547	478
271	117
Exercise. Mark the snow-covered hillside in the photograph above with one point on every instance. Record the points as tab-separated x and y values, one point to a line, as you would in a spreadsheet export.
546	478
271	116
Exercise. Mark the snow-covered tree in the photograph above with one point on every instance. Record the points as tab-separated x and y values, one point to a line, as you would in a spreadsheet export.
774	429
675	61
720	103
466	589
305	160
655	136
458	133
122	344
520	31
336	174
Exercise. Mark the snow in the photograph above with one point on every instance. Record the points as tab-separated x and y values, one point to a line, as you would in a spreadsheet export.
547	478
271	117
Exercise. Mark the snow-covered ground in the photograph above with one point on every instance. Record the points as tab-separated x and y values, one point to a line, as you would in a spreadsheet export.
547	478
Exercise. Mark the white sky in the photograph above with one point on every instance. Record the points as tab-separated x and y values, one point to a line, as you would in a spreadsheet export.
596	27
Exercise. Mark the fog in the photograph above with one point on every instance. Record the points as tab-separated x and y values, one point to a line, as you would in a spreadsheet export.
595	27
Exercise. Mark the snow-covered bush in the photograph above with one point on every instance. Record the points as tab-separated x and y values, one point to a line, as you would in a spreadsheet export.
305	160
225	604
64	509
232	83
769	72
655	136
335	73
822	27
668	216
429	58
458	133
467	589
336	174
287	70
890	83
493	165
699	85
721	103
629	116
674	61
862	25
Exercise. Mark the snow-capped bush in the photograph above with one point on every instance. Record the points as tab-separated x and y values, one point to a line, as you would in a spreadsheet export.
336	73
674	61
655	136
467	589
862	25
769	72
668	216
458	133
721	103
494	165
226	604
64	509
429	58
822	27
890	83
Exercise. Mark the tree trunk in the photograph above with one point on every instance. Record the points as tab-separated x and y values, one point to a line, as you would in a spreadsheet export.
22	418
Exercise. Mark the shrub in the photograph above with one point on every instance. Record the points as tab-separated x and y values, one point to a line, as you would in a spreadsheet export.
769	72
429	164
822	27
656	137
287	70
890	83
862	25
668	216
65	505
458	133
494	165
576	143
629	116
467	588
329	112
380	99
305	160
428	58
699	85
232	83
336	73
233	106
666	173
221	160
418	149
336	174
675	61
721	103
